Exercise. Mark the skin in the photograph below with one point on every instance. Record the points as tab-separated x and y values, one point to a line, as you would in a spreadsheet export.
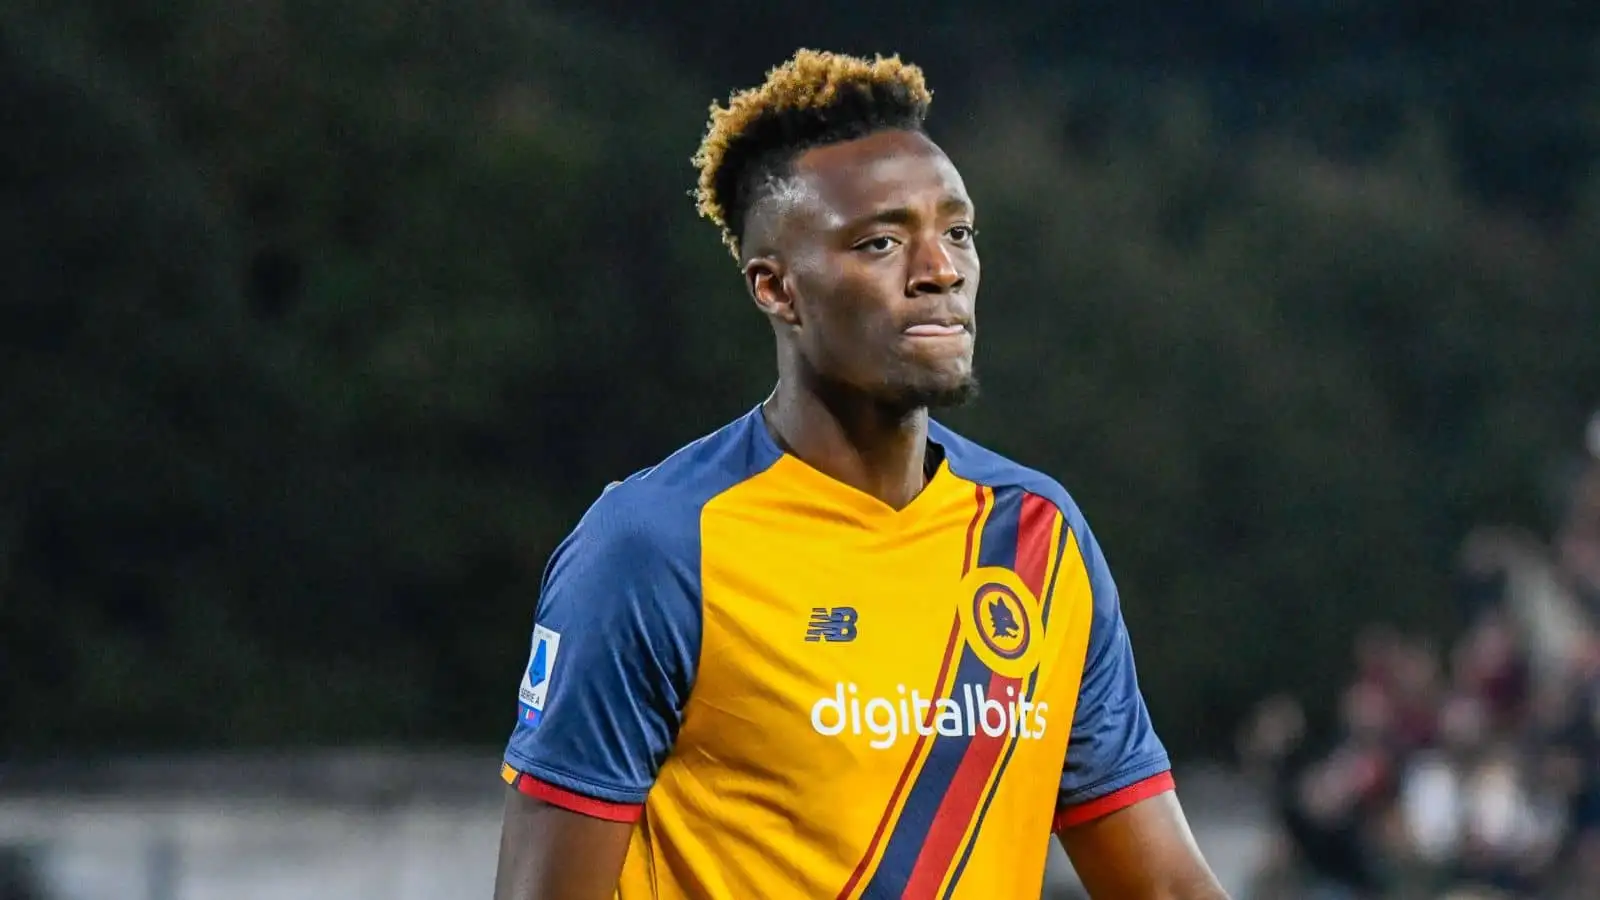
863	243
869	238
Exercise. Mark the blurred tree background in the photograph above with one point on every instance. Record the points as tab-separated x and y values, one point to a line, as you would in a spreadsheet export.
322	323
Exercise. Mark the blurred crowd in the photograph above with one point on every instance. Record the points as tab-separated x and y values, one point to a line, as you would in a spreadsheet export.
1469	769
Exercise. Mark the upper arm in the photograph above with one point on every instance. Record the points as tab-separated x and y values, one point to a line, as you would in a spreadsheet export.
1117	815
1141	852
1114	758
612	659
550	853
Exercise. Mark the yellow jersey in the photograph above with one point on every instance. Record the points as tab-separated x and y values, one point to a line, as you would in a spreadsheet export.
792	689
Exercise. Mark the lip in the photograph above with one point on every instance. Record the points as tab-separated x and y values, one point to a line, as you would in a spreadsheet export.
944	328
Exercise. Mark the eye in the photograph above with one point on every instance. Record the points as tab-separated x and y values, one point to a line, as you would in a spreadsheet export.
963	234
883	243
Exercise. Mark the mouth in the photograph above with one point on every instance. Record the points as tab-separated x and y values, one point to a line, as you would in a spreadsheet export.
939	328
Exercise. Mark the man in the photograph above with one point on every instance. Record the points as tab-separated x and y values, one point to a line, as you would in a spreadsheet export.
834	649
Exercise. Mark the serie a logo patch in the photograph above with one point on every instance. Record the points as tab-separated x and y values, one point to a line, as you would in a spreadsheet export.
536	677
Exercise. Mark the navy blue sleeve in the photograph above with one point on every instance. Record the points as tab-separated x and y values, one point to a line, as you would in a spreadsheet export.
616	640
1113	749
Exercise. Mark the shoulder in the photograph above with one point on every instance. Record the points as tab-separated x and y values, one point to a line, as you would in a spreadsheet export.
655	512
632	563
980	465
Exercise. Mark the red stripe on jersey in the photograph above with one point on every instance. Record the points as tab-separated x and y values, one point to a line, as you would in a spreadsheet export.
1038	519
588	806
972	528
941	686
905	774
1035	525
1110	803
960	802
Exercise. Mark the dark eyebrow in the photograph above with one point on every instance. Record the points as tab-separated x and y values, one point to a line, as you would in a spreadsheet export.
901	215
955	206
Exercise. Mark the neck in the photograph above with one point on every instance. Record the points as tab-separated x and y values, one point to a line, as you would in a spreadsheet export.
876	449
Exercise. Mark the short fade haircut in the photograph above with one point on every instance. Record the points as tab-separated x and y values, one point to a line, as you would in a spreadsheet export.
815	98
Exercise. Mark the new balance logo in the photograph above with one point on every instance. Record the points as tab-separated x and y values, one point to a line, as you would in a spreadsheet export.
836	624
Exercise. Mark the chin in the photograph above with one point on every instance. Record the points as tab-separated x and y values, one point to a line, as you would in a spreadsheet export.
944	394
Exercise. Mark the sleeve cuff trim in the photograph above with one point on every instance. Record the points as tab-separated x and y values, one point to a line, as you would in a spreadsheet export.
568	800
1114	801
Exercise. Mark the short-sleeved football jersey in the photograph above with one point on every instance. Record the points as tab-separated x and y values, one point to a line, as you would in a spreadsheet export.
794	690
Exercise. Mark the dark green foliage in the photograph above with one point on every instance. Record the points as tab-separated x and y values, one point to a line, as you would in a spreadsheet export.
323	322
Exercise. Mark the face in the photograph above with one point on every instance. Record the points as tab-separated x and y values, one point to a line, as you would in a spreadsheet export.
866	263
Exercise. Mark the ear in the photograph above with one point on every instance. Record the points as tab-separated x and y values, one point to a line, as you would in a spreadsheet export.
763	277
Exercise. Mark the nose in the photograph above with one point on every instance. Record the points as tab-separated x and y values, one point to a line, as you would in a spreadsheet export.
934	271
